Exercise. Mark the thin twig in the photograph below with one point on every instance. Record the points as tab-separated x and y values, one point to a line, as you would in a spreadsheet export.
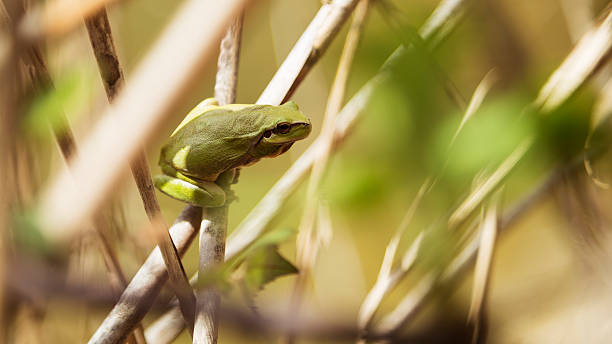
101	38
307	51
9	105
309	238
214	226
482	268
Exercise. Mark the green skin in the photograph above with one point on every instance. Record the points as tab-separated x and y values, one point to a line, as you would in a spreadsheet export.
213	140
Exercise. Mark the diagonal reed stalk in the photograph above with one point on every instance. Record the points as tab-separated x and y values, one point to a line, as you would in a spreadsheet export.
101	38
309	235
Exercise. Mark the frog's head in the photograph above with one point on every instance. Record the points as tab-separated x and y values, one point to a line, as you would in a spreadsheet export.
286	124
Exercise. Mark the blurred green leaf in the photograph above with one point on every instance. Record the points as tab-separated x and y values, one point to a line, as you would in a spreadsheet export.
493	132
270	239
70	95
264	266
357	186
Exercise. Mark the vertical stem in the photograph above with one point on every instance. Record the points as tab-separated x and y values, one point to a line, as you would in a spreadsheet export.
103	46
212	250
214	224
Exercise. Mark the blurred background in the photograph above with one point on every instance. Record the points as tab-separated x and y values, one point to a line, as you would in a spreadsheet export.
550	271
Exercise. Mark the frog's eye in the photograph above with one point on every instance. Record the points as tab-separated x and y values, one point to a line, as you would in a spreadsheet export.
283	128
267	133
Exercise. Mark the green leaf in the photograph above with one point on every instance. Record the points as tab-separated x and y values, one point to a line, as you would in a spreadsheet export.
251	263
70	95
272	238
264	266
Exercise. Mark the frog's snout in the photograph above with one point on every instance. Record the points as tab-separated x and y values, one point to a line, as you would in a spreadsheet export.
302	129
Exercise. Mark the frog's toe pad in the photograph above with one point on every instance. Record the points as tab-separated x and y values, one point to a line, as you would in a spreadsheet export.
189	193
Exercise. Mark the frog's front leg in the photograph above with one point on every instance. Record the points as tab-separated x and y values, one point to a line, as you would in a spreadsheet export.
181	187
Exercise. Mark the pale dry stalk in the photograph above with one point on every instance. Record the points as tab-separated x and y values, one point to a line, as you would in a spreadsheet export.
101	38
482	268
307	51
214	225
309	238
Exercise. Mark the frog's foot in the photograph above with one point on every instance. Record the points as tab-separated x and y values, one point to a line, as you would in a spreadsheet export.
226	179
230	196
206	194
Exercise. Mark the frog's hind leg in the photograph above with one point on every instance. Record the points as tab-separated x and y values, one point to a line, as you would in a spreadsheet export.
205	194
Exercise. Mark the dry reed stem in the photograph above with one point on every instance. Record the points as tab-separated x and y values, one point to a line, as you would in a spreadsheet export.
307	51
139	295
154	90
478	96
482	268
214	226
387	280
309	237
101	38
588	53
484	189
579	17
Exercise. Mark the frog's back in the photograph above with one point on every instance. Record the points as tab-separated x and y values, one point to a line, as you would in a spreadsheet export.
213	142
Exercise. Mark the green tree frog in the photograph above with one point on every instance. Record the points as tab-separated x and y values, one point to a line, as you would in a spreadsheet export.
214	139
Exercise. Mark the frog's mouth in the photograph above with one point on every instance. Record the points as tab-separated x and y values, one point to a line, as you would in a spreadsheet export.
285	147
281	149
